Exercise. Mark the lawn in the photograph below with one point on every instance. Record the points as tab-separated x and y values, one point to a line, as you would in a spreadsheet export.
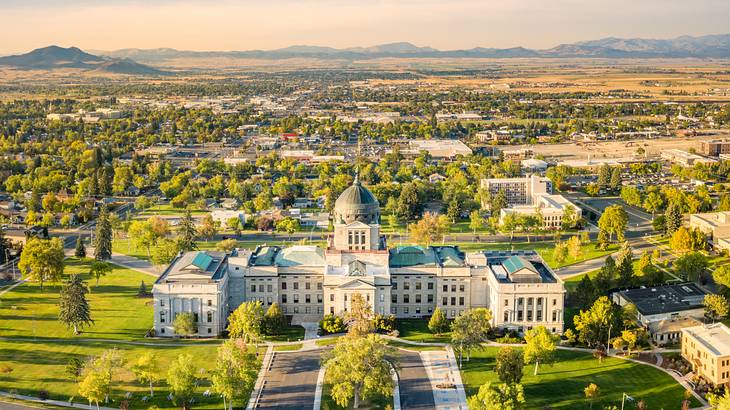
561	386
290	334
28	311
288	348
416	330
35	348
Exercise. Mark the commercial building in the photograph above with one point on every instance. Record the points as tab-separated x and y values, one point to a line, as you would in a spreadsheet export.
715	148
716	225
707	349
408	282
685	158
550	209
519	191
440	149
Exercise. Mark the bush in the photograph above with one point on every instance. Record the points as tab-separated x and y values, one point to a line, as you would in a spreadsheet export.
43	394
5	369
384	324
331	324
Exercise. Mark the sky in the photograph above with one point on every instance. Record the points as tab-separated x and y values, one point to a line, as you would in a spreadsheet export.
270	24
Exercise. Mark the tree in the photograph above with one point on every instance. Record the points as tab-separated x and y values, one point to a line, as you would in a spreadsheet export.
498	397
142	235
74	368
42	260
508	365
227	245
288	225
592	325
717	401
540	346
470	329
569	220
606	275
99	269
103	236
181	380
74	309
246	321
409	204
585	292
560	253
653	202
592	392
716	307
208	227
80	251
235	371
357	368
672	218
187	233
630	338
146	369
359	317
234	224
681	240
274	320
438	323
96	381
184	324
615	182
476	221
604	176
575	249
721	276
613	221
499	201
625	266
691	266
429	229
165	251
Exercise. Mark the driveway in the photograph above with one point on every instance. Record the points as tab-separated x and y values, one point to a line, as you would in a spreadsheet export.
414	384
292	381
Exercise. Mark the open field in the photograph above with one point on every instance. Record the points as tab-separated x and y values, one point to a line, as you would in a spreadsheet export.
561	386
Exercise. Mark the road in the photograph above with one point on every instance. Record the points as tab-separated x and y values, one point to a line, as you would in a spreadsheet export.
415	386
14	406
292	381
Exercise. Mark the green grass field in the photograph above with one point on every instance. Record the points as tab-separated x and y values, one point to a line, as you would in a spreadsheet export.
561	385
35	348
416	330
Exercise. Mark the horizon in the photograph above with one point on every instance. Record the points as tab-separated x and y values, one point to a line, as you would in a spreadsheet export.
222	25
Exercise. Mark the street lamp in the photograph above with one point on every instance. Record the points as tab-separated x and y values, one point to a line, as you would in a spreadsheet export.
625	397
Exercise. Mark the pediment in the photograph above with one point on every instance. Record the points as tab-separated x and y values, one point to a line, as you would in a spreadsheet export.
357	284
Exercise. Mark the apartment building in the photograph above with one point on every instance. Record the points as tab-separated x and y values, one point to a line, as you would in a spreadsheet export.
406	281
707	349
519	191
715	148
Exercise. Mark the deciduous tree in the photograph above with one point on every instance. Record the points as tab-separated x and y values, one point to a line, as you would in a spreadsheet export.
508	365
246	322
438	323
540	346
42	260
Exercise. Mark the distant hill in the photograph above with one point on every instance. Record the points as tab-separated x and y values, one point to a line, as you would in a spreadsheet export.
713	46
53	57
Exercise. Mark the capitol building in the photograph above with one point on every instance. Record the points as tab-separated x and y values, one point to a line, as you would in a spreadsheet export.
406	281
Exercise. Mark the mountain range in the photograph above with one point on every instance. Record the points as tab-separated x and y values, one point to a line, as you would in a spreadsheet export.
53	57
712	46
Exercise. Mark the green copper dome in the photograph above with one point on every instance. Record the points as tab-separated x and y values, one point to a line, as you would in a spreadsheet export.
357	203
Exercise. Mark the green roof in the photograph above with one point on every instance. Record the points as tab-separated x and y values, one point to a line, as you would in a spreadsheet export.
450	256
265	255
300	256
412	256
515	263
202	260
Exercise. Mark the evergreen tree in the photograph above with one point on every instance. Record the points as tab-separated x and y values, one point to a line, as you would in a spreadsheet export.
438	323
615	183
103	239
625	266
74	308
187	233
672	218
585	292
604	278
3	247
80	251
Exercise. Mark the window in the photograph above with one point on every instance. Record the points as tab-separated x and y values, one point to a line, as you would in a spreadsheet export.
269	288
382	298
506	302
555	316
210	302
461	301
405	310
307	299
453	288
406	285
195	317
210	317
269	300
453	301
506	316
446	288
418	298
555	302
319	285
253	288
429	285
319	298
461	288
296	285
307	285
283	285
444	301
162	330
406	298
332	310
283	298
296	298
538	316
429	298
209	329
418	285
162	317
332	297
519	315
393	298
162	302
395	285
261	288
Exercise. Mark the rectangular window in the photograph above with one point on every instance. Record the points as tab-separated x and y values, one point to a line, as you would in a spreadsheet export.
269	300
296	298
393	298
429	298
461	301
395	285
520	315
430	286
453	288
453	301
195	317
506	316
296	285
283	285
506	302
261	288
162	302
418	298
283	298
307	285
162	317
446	288
253	288
269	288
332	297
461	288
319	285
210	317
406	285
210	302
444	301
418	285
319	298
406	298
382	298
307	299
405	310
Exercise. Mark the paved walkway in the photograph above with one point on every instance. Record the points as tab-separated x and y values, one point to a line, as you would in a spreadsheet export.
442	371
35	403
416	390
310	330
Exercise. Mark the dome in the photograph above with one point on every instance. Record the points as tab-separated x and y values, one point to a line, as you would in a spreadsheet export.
357	203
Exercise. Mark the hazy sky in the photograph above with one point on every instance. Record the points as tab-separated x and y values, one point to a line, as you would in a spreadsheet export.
267	24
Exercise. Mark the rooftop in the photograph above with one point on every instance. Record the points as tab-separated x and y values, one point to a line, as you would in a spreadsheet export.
196	265
403	256
714	337
675	297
